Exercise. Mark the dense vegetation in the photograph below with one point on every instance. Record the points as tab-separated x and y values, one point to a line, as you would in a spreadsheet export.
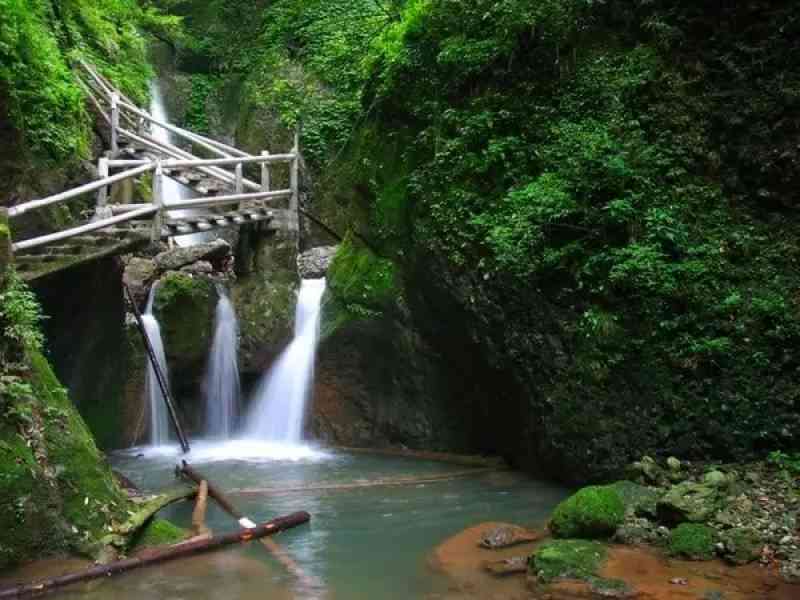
612	178
39	42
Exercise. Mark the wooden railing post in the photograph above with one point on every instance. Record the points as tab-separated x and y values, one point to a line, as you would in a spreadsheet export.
102	193
294	201
114	124
158	201
265	175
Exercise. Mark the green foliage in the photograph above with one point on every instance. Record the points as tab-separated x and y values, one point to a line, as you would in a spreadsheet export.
789	462
40	39
364	284
567	559
692	541
20	316
592	512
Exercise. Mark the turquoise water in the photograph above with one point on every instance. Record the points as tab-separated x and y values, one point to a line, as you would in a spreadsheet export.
367	542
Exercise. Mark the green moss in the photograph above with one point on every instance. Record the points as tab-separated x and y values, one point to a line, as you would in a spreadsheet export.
361	283
742	545
593	512
638	499
89	493
158	532
692	541
185	309
567	559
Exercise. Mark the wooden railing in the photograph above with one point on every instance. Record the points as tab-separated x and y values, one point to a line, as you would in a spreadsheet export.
116	109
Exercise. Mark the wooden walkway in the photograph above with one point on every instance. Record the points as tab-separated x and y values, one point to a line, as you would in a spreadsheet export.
224	196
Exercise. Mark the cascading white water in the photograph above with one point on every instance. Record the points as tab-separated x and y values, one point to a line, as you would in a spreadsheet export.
159	426
279	405
172	190
222	389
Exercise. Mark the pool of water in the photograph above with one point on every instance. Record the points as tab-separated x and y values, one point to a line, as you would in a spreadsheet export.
375	521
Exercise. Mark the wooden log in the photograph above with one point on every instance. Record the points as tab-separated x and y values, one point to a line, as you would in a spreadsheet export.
162	381
279	553
199	513
159	555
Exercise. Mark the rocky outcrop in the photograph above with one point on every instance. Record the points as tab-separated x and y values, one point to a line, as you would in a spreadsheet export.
216	252
314	263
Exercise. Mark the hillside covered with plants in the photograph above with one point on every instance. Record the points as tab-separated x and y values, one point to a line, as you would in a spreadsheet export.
588	204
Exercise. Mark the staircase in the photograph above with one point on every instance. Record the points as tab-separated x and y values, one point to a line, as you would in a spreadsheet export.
225	198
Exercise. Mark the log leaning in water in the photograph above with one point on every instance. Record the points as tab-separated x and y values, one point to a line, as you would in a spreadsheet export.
159	555
271	545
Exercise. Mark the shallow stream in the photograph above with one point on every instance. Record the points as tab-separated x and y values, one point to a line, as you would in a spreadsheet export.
375	521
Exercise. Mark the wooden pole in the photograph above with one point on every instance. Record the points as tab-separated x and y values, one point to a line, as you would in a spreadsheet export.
265	175
294	202
162	381
102	194
229	508
158	202
114	123
199	526
159	555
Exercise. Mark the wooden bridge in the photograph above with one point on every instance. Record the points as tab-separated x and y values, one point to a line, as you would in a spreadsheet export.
225	197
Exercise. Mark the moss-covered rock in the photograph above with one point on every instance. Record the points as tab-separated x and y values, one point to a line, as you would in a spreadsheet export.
693	541
184	306
742	545
638	499
158	532
593	512
688	502
567	559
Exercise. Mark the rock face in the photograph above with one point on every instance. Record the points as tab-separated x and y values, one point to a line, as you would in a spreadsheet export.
216	251
314	263
507	536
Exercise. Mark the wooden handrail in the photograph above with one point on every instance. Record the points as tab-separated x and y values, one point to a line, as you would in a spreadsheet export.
76	231
20	209
212	201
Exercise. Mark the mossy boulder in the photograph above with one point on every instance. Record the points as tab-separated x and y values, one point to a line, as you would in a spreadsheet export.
742	545
184	306
593	512
158	532
639	500
689	502
567	559
693	541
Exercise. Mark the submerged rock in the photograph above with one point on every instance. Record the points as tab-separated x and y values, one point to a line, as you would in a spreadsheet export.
507	536
314	263
508	566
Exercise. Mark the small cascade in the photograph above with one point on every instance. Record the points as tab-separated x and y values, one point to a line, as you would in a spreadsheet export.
159	425
279	405
172	190
222	388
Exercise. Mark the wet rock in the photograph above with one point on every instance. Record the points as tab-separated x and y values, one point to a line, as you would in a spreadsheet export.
611	588
214	252
649	471
716	479
138	276
592	512
507	536
508	566
201	267
688	502
567	559
692	541
674	464
314	263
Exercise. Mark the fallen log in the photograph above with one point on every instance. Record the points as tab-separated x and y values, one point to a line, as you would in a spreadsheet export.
199	513
279	553
158	555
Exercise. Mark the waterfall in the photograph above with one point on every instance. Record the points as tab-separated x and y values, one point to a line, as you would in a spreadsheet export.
280	401
222	374
159	426
172	190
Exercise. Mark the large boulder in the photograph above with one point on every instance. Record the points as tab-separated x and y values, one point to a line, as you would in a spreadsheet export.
314	263
216	252
689	502
593	512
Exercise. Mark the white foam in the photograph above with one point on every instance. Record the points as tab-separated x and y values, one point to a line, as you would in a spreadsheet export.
242	449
